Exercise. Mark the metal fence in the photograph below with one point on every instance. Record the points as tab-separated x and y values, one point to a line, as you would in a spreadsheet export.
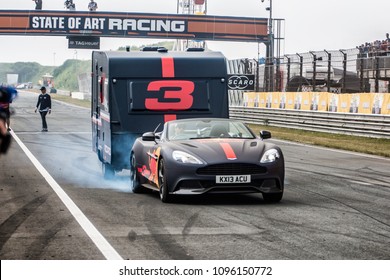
377	126
338	71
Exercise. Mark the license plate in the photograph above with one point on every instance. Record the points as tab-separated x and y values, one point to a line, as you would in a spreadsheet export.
233	179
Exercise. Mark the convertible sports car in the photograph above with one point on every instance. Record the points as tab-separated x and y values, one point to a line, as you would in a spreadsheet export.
208	155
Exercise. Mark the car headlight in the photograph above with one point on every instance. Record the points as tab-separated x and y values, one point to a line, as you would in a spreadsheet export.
183	157
270	156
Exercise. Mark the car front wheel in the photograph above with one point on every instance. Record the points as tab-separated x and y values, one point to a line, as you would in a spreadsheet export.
164	193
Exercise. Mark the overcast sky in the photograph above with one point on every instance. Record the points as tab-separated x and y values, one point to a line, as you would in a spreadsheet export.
310	25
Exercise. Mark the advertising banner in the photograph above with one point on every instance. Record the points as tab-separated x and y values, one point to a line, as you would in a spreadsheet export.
247	99
241	82
386	104
269	97
275	100
282	100
262	99
344	103
320	101
354	103
364	103
377	102
298	97
83	42
290	98
333	102
306	101
113	24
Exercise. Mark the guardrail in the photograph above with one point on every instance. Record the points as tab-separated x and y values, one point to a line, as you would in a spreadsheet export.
377	126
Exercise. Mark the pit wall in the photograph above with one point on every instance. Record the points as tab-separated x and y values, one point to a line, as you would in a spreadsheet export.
364	103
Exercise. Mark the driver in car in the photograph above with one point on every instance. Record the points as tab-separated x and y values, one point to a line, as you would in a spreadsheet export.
179	131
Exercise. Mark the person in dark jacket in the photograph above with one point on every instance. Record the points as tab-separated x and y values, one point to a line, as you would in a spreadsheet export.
69	5
92	6
44	106
38	4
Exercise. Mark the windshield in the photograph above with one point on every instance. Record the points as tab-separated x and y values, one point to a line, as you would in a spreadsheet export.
197	129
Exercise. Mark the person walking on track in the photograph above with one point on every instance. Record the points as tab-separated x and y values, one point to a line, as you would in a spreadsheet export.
44	106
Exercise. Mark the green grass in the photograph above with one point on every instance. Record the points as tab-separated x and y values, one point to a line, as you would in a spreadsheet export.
70	100
373	146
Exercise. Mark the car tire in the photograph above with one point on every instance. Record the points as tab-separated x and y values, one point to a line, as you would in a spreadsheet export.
164	193
272	197
135	184
108	171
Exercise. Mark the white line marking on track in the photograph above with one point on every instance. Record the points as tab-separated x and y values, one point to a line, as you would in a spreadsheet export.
101	243
360	183
53	133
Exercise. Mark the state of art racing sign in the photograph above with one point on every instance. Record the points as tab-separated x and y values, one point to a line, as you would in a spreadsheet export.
108	24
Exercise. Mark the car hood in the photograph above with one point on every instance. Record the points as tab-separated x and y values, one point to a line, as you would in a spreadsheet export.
222	150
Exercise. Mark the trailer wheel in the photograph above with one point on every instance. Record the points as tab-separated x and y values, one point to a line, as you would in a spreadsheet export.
100	157
135	184
108	171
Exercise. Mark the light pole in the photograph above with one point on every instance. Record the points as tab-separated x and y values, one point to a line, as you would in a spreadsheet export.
344	69
329	69
288	68
270	49
300	70
314	77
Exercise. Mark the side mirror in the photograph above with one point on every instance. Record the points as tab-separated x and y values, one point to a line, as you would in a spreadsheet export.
264	134
148	136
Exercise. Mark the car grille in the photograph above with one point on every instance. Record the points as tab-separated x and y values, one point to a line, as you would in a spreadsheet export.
232	169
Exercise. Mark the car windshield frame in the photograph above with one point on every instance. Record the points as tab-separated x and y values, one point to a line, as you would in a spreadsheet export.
191	129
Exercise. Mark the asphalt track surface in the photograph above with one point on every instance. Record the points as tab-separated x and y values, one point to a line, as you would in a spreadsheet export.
54	204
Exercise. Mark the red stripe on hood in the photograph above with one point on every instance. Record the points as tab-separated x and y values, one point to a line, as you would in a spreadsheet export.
228	151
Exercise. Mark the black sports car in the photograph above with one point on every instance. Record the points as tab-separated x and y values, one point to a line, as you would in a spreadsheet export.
196	156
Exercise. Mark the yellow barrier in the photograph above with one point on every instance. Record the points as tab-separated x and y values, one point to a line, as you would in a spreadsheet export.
364	103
